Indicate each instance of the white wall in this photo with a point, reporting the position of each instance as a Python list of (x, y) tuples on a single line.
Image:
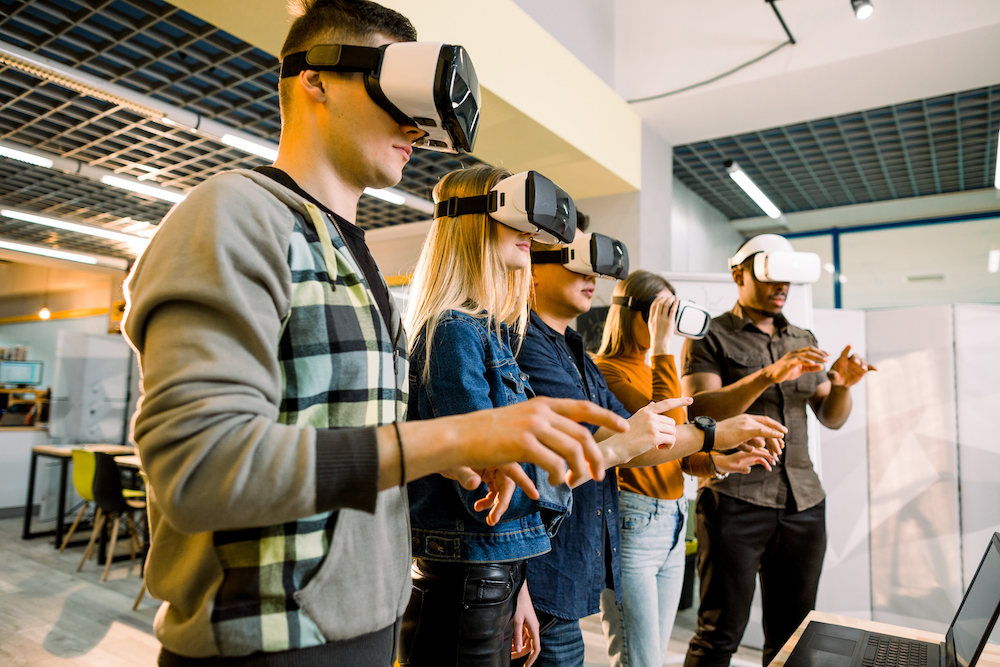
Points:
[(703, 238), (40, 337), (585, 27)]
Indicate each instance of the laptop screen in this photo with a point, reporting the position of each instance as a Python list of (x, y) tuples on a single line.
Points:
[(978, 612)]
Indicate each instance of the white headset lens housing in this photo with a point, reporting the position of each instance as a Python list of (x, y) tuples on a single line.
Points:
[(787, 267), (529, 202), (590, 255), (692, 320), (429, 85), (775, 260), (435, 85)]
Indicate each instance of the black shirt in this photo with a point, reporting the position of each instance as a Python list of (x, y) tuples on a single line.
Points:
[(353, 236)]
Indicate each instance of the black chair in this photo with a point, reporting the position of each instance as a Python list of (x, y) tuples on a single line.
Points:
[(114, 503)]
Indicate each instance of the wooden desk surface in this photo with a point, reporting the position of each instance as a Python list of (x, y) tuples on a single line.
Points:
[(989, 658), (129, 461), (66, 451)]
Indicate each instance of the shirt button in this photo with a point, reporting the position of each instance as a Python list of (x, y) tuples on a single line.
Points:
[(614, 550), (598, 512), (598, 553)]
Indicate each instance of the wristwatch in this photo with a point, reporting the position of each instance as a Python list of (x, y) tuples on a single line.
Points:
[(706, 424)]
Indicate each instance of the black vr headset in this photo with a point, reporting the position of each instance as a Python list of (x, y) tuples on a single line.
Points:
[(527, 202), (429, 85), (590, 254), (691, 320)]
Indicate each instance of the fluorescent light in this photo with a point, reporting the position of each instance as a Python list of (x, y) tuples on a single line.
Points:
[(48, 252), (30, 158), (862, 8), (752, 190), (251, 147), (996, 171), (993, 263), (73, 227), (150, 190), (385, 195)]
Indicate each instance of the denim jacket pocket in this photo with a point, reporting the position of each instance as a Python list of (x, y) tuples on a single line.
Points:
[(513, 385)]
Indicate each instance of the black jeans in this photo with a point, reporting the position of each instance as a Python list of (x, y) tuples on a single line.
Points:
[(460, 614), (736, 540)]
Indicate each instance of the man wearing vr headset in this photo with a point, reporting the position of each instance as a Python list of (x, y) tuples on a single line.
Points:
[(567, 582), (753, 360), (275, 370)]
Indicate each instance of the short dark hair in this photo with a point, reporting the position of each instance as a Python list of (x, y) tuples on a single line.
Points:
[(343, 22)]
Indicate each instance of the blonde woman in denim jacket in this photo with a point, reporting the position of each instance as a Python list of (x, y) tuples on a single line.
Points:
[(468, 306)]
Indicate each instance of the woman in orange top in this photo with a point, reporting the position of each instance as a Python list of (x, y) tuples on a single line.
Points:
[(653, 507)]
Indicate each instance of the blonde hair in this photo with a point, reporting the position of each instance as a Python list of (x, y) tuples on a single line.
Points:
[(619, 337), (461, 267)]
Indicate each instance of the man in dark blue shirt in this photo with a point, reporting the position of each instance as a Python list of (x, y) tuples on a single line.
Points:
[(566, 583)]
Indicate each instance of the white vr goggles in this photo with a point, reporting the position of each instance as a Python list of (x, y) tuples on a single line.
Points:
[(775, 261), (589, 254), (691, 320), (527, 202), (429, 85)]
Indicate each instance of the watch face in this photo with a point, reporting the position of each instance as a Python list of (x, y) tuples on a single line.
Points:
[(704, 421)]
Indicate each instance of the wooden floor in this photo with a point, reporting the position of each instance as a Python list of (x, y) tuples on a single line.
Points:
[(51, 615)]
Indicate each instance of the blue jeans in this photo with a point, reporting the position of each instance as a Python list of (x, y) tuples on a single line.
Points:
[(638, 630), (562, 643)]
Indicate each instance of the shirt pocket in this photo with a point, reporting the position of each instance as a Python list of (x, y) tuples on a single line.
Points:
[(741, 364), (513, 385)]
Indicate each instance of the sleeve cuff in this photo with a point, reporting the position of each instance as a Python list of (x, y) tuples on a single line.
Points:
[(346, 469)]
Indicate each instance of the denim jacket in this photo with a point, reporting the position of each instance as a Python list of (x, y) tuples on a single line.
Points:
[(586, 555), (473, 369)]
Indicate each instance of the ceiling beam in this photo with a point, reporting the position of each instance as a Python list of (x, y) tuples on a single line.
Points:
[(543, 109)]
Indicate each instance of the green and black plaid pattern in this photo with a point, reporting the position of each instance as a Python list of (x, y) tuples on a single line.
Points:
[(341, 368)]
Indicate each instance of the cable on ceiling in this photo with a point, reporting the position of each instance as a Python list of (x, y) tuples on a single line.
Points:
[(791, 40)]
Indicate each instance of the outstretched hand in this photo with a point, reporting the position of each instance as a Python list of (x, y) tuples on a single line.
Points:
[(749, 432), (795, 363), (741, 462), (847, 371)]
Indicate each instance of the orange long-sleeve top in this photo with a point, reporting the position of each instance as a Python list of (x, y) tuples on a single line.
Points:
[(635, 384)]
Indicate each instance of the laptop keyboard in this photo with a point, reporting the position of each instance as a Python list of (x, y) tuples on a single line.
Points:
[(889, 651)]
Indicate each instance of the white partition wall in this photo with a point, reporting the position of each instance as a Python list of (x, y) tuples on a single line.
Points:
[(977, 385), (913, 467), (845, 586)]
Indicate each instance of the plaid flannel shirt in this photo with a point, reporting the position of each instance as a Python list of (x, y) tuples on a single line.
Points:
[(342, 367)]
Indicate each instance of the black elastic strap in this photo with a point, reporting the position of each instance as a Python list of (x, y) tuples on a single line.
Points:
[(456, 206), (560, 256), (332, 58)]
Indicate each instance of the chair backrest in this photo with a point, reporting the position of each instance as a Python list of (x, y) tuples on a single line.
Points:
[(108, 484), (83, 473)]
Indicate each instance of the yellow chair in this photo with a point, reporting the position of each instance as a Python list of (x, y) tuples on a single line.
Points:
[(83, 480)]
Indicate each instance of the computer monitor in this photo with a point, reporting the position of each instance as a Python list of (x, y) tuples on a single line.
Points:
[(20, 373)]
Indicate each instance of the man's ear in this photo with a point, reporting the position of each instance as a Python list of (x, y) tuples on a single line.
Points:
[(313, 85), (738, 275)]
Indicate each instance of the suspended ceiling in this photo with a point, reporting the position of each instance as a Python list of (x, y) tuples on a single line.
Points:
[(943, 144), (155, 49)]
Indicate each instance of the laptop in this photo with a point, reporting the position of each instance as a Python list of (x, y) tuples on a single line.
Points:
[(826, 645)]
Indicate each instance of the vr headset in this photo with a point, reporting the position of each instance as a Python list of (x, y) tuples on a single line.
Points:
[(429, 85), (690, 319), (527, 202), (775, 261), (589, 254)]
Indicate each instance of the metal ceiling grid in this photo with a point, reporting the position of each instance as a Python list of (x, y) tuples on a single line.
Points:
[(161, 51), (931, 146)]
